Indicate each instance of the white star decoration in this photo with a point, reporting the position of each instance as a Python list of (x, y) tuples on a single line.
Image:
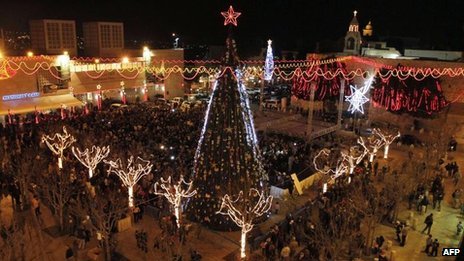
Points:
[(358, 97)]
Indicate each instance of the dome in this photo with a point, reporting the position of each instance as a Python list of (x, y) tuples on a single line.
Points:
[(369, 26)]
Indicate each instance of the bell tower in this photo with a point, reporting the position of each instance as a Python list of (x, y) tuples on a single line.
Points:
[(353, 37)]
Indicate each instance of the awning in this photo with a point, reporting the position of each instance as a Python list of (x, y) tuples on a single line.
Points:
[(40, 103)]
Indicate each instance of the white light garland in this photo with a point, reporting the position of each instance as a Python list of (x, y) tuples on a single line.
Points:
[(335, 172), (387, 140), (174, 193), (131, 173), (91, 158), (372, 147), (58, 143), (243, 213), (358, 97)]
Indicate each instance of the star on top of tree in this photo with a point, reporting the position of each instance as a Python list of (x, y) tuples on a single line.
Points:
[(230, 16)]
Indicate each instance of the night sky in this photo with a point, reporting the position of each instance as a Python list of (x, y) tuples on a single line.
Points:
[(292, 24)]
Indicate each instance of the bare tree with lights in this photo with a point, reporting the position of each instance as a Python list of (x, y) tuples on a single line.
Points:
[(387, 139), (353, 158), (58, 143), (372, 146), (103, 210), (329, 164), (91, 158), (174, 193), (244, 210), (131, 173)]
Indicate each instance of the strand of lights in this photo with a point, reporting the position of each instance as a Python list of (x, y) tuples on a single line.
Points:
[(336, 171), (175, 192), (297, 70), (372, 147), (358, 98), (352, 159), (247, 116), (387, 139), (91, 158), (269, 64), (131, 173), (205, 124), (58, 143), (243, 213)]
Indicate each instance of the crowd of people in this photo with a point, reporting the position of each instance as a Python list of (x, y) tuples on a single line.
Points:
[(164, 136)]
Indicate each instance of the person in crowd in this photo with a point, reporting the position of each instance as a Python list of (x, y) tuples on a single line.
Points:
[(428, 223), (459, 228), (428, 244), (435, 246)]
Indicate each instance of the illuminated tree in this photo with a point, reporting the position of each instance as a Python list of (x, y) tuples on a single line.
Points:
[(91, 158), (131, 173), (227, 158), (244, 210), (387, 139), (174, 193), (327, 163), (353, 158), (58, 143), (373, 145)]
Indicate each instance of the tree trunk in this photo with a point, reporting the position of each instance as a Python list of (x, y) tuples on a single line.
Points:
[(107, 249), (60, 217)]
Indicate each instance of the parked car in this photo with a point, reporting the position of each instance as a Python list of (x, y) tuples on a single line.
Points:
[(272, 104), (177, 101), (186, 105)]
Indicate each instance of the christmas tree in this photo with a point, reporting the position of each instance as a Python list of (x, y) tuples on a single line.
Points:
[(269, 64), (227, 158)]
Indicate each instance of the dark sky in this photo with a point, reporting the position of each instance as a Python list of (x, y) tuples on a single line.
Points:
[(292, 24)]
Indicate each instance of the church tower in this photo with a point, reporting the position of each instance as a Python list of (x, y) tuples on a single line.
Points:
[(353, 37)]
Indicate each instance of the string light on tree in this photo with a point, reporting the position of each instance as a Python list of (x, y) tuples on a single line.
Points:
[(58, 143), (231, 16), (352, 159), (358, 97), (387, 139), (174, 193), (131, 173), (243, 212), (333, 168), (91, 158), (373, 145)]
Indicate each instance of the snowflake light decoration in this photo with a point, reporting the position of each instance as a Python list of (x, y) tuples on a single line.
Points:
[(358, 97)]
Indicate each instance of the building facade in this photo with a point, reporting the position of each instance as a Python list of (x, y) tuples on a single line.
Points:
[(103, 39), (53, 37)]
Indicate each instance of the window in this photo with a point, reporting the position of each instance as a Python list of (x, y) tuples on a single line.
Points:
[(117, 36), (350, 43), (67, 31), (105, 36), (53, 36)]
